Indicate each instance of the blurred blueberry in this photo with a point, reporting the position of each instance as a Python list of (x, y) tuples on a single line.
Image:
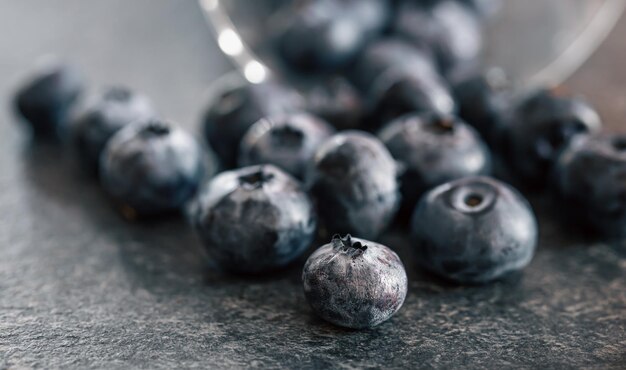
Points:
[(434, 149), (338, 102), (353, 180), (236, 108), (109, 112), (151, 167), (354, 283), (46, 99), (590, 177), (396, 94), (474, 230), (390, 54), (544, 123), (327, 34), (254, 219), (484, 102), (451, 29), (288, 141)]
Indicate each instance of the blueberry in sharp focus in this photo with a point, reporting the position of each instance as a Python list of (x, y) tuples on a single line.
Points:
[(338, 102), (254, 219), (354, 283), (109, 112), (151, 167), (433, 149), (236, 108), (327, 34), (543, 124), (474, 230), (590, 177), (484, 102), (450, 28), (288, 141), (46, 100), (353, 180)]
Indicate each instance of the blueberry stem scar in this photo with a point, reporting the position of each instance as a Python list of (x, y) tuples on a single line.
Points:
[(255, 179), (473, 200)]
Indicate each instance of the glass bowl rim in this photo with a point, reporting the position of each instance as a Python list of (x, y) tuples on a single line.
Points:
[(591, 36)]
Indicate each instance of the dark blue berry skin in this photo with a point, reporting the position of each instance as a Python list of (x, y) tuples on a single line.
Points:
[(327, 34), (353, 180), (484, 101), (287, 141), (474, 230), (110, 111), (396, 78), (543, 124), (338, 102), (354, 283), (590, 177), (236, 108), (396, 94), (450, 28), (255, 219), (386, 55), (46, 100), (152, 167), (434, 149)]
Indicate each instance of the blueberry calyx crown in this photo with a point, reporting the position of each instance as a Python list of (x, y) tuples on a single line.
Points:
[(287, 136), (441, 125), (473, 198), (155, 128), (256, 179), (348, 246)]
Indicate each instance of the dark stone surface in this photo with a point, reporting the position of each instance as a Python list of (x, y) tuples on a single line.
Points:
[(82, 288)]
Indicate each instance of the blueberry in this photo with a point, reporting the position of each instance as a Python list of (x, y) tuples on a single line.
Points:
[(109, 112), (390, 54), (353, 179), (288, 141), (397, 78), (544, 123), (434, 149), (450, 28), (590, 177), (474, 230), (484, 102), (327, 34), (396, 94), (255, 219), (237, 108), (46, 100), (354, 283), (337, 101), (151, 167)]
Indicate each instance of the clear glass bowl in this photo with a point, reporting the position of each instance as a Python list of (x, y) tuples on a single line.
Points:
[(537, 42)]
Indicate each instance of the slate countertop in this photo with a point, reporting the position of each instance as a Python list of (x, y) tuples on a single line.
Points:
[(82, 288)]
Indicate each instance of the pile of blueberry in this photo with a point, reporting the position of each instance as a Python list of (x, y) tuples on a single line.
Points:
[(403, 128)]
